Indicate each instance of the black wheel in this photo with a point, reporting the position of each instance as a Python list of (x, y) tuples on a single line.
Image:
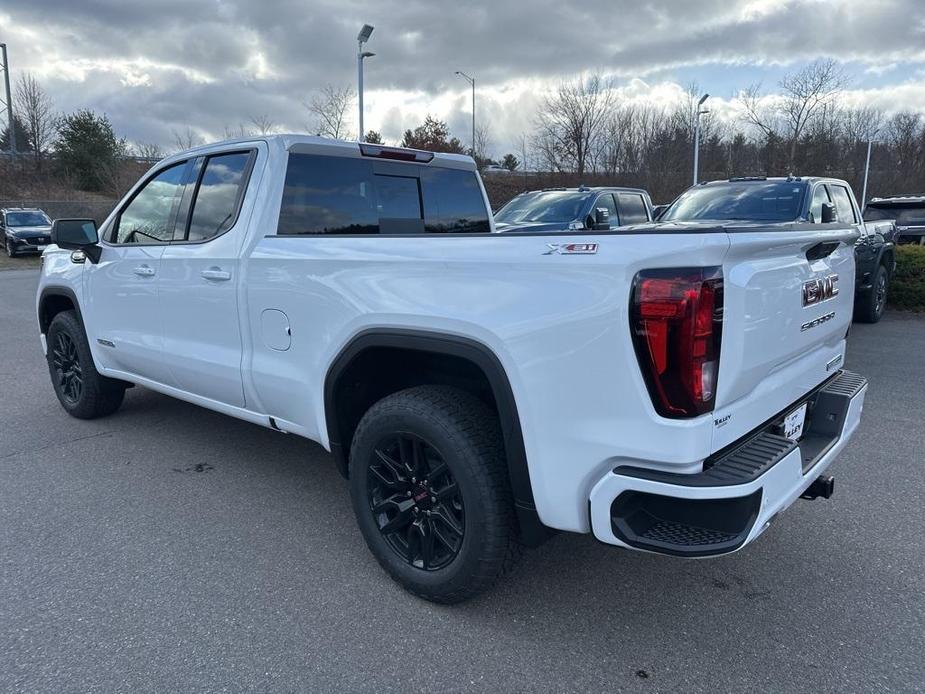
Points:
[(82, 392), (872, 304), (429, 487)]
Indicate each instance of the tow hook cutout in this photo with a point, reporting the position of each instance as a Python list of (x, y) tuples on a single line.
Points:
[(823, 486)]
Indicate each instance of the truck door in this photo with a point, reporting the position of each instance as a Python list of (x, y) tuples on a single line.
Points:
[(123, 316), (199, 279)]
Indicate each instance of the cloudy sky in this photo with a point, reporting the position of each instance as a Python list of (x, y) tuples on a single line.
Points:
[(159, 66)]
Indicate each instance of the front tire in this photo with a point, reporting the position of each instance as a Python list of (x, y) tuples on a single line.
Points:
[(873, 303), (10, 253), (430, 491), (82, 392)]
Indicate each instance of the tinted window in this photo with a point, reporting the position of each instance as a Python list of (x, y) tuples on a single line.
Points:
[(771, 201), (844, 210), (904, 216), (633, 208), (453, 202), (820, 195), (338, 195), (29, 218), (553, 206), (147, 218), (328, 195), (220, 189), (399, 205), (605, 201)]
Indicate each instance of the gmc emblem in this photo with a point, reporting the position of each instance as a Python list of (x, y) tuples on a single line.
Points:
[(818, 290)]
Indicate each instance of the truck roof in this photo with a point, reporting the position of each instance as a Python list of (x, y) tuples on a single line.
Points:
[(316, 144), (762, 179), (911, 199)]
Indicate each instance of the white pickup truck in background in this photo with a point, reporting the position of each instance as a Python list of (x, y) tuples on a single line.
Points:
[(667, 388)]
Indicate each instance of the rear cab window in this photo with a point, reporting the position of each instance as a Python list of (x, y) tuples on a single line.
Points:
[(326, 194), (633, 208)]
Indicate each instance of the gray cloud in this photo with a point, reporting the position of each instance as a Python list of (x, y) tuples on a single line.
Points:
[(161, 65)]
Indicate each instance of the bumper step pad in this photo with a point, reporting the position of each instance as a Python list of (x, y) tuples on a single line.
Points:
[(702, 527)]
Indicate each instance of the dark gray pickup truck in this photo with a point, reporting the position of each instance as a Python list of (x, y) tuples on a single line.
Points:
[(793, 201), (908, 211)]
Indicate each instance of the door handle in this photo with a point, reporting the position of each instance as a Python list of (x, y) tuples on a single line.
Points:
[(144, 271), (216, 274)]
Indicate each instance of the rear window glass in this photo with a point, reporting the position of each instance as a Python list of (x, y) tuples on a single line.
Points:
[(340, 195), (771, 201), (632, 209), (904, 216)]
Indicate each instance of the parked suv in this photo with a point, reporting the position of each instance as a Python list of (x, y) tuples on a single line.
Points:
[(575, 209), (669, 393), (908, 212), (788, 204), (24, 230)]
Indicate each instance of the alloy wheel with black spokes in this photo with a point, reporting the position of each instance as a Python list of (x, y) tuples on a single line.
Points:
[(880, 290), (431, 492), (67, 368), (416, 501), (81, 389)]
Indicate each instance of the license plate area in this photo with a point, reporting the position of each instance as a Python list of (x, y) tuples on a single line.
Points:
[(794, 422)]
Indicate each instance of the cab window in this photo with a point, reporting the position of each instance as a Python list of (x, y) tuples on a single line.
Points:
[(606, 201), (820, 196), (218, 195), (633, 208), (844, 210), (148, 217)]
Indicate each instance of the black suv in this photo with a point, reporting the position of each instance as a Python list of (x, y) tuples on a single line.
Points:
[(908, 211), (557, 209), (799, 200), (24, 230)]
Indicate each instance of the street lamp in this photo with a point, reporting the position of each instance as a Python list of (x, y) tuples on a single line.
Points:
[(362, 38), (697, 134), (470, 80), (9, 101), (867, 171)]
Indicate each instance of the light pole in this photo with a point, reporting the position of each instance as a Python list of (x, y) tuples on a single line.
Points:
[(362, 38), (866, 172), (471, 80), (11, 126), (697, 134)]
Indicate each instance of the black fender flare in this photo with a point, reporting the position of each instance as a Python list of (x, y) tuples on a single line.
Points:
[(532, 530), (56, 290)]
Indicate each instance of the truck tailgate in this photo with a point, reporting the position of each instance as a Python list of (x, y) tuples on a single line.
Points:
[(788, 301)]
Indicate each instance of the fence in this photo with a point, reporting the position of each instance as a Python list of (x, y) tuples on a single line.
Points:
[(59, 209)]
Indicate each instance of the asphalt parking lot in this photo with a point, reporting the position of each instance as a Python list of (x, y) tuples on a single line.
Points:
[(168, 548)]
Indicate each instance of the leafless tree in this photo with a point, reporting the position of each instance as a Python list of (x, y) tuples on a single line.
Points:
[(570, 123), (186, 139), (329, 109), (34, 108), (805, 95), (148, 150), (484, 142), (263, 125)]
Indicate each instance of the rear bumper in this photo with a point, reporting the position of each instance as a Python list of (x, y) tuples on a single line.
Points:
[(739, 492)]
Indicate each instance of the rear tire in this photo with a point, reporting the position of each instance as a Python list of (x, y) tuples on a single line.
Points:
[(872, 304), (430, 491), (82, 392)]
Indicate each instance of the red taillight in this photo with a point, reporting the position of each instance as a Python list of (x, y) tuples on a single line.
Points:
[(677, 318)]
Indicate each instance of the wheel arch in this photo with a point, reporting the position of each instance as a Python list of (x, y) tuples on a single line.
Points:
[(52, 301), (419, 350)]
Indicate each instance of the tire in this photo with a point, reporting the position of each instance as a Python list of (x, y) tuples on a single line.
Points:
[(872, 303), (10, 253), (455, 440), (82, 392)]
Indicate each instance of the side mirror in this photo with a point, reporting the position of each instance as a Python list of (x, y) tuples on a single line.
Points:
[(658, 211), (77, 235), (601, 219), (828, 213)]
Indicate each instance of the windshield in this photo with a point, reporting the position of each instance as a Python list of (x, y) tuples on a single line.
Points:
[(27, 219), (543, 206), (760, 201), (904, 216)]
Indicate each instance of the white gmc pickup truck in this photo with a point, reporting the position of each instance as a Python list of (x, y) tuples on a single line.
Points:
[(668, 388)]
